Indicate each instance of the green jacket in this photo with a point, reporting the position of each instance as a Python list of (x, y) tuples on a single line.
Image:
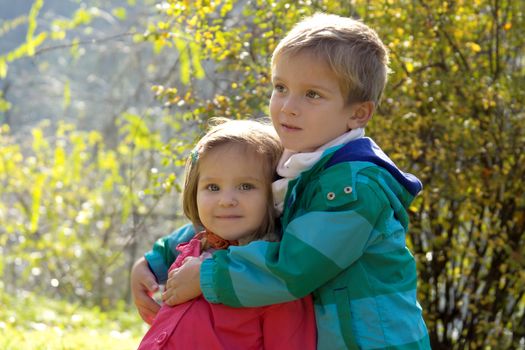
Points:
[(344, 227)]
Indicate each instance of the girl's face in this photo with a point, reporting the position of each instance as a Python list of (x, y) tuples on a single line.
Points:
[(232, 192)]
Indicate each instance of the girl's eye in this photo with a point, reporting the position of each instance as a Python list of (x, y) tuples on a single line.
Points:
[(279, 88), (246, 187), (312, 94), (212, 187)]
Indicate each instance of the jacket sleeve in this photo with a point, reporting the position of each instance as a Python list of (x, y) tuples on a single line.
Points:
[(330, 235), (164, 253)]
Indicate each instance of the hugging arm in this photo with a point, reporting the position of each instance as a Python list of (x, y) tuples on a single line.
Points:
[(152, 269), (316, 246)]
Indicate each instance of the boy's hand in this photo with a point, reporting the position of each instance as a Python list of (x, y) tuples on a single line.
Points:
[(143, 285), (183, 283)]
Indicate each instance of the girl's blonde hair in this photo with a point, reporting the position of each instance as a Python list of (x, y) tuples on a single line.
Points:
[(253, 136), (354, 52)]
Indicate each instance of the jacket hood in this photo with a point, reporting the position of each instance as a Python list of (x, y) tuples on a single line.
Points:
[(366, 150)]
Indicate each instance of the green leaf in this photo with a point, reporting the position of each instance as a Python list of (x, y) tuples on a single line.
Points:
[(184, 60), (196, 60), (36, 196), (4, 105)]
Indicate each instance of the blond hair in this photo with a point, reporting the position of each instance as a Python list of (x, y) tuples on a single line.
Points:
[(253, 136), (354, 52)]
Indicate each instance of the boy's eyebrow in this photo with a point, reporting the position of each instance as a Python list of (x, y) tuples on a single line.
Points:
[(311, 86)]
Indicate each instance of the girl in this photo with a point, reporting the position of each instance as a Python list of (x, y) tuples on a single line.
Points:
[(228, 197)]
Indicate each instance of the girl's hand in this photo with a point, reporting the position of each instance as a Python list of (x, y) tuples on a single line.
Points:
[(183, 283)]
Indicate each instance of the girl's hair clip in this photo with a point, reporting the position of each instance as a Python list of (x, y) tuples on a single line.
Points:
[(194, 156)]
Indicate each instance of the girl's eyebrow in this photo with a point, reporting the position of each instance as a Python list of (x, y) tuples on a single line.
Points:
[(240, 179)]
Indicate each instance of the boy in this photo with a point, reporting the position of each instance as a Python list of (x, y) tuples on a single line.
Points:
[(344, 203)]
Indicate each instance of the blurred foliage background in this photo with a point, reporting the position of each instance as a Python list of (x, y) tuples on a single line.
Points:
[(100, 102)]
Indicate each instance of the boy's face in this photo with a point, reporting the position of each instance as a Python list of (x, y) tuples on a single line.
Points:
[(307, 106)]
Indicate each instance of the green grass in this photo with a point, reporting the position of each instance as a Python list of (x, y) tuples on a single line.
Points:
[(35, 323)]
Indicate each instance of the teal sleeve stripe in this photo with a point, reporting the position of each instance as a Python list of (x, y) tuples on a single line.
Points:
[(252, 282), (300, 265), (257, 274), (328, 328), (314, 249), (384, 322), (385, 245), (329, 234), (239, 276), (395, 194), (391, 272), (379, 274), (328, 321), (164, 253), (157, 265), (421, 344), (387, 321), (181, 235), (206, 281)]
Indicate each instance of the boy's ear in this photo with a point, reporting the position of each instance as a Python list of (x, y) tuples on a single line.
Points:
[(361, 113)]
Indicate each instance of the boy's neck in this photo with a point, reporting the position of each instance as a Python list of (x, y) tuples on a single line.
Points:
[(340, 140)]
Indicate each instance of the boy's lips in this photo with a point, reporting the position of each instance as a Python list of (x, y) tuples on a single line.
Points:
[(289, 127)]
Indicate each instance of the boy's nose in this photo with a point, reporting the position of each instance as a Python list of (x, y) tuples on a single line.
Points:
[(289, 107)]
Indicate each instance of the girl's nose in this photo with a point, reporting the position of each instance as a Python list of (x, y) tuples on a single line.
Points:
[(228, 200)]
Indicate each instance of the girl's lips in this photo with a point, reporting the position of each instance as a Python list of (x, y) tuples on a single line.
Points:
[(228, 216)]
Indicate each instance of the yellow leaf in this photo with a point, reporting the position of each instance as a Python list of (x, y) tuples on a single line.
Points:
[(120, 13), (67, 95), (33, 13), (58, 35), (33, 43), (474, 47), (410, 67), (3, 68), (82, 16)]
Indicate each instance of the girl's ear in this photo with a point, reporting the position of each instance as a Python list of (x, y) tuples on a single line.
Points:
[(361, 113)]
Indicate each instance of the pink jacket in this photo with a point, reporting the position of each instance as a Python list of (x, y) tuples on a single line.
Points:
[(198, 324)]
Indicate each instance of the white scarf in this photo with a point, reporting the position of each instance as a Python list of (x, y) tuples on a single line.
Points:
[(292, 164)]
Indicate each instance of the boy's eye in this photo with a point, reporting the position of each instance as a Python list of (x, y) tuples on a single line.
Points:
[(312, 94), (246, 187), (212, 187)]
